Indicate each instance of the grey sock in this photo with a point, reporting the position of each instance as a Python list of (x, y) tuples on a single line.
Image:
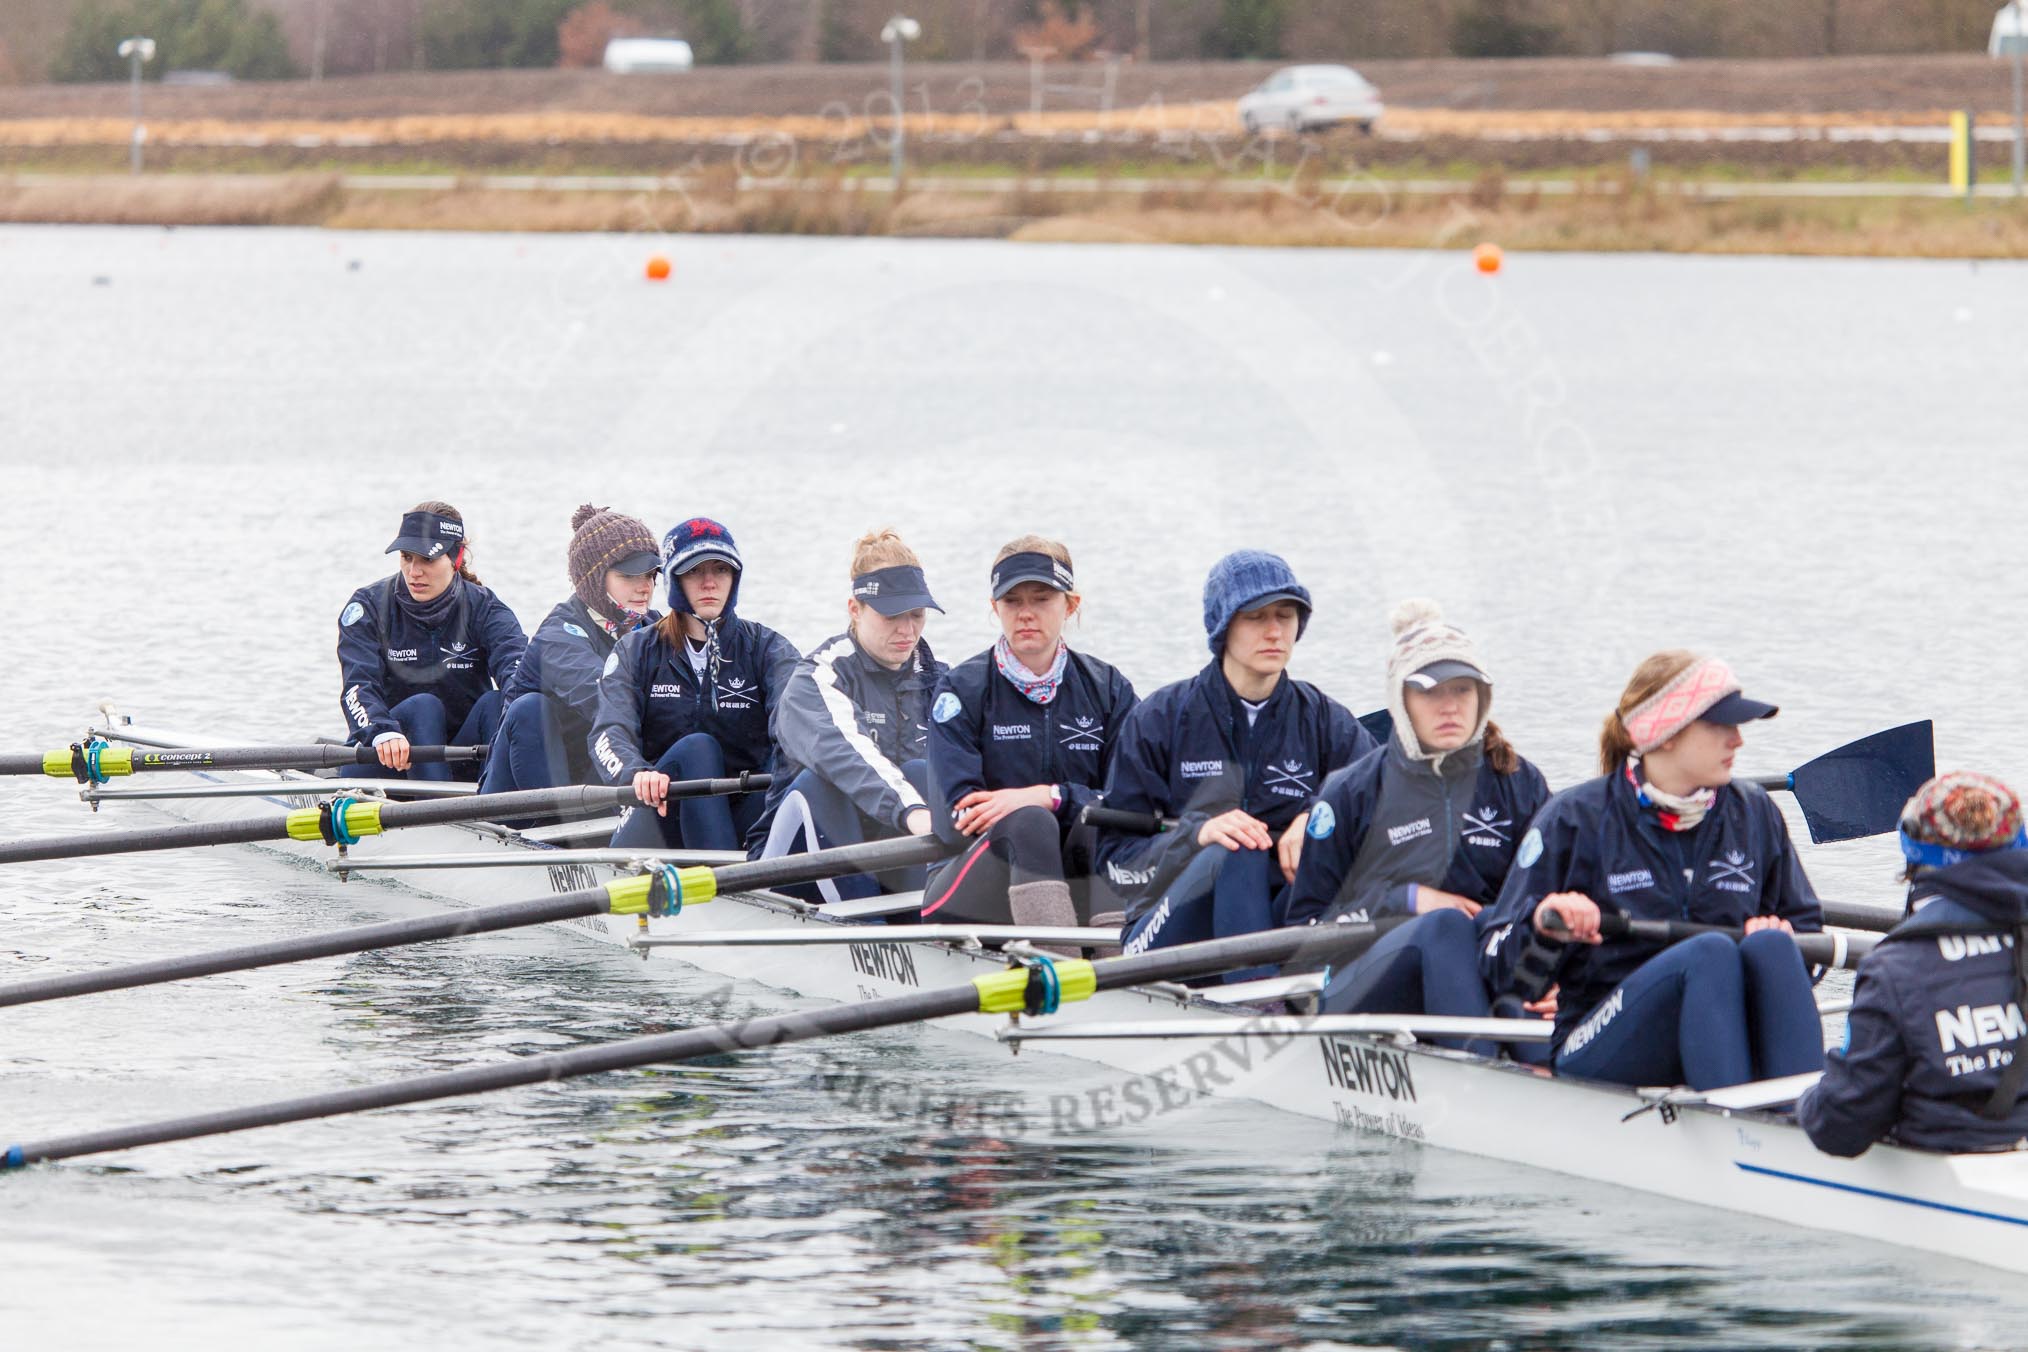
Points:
[(1044, 904)]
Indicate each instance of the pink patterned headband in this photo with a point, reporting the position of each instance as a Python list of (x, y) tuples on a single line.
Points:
[(1679, 703)]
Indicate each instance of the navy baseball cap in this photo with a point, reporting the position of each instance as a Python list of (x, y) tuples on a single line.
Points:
[(1737, 708), (428, 536), (1016, 569), (895, 591), (1436, 673)]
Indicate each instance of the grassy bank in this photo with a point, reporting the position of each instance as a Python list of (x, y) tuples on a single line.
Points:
[(1609, 215)]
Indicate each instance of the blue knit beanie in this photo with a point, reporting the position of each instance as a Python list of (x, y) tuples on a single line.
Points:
[(1243, 580)]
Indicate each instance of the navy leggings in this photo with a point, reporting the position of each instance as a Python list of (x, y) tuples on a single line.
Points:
[(425, 723), (817, 815), (1428, 966), (1220, 893), (1025, 846), (716, 823), (1708, 1012), (530, 750)]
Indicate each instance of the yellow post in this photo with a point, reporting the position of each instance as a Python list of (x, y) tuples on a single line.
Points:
[(1961, 154)]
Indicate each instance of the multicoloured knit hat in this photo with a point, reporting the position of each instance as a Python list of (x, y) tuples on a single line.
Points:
[(1958, 815), (1426, 653), (602, 539)]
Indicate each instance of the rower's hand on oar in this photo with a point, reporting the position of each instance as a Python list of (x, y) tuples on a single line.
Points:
[(652, 788), (979, 809), (1289, 850), (1766, 922), (393, 752), (1236, 830), (1429, 899), (1546, 1006), (1577, 912)]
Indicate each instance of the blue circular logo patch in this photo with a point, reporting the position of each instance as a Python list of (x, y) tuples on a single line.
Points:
[(353, 614), (1531, 849), (1323, 821), (612, 661), (947, 707), (570, 628)]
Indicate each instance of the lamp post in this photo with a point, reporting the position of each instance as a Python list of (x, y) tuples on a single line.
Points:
[(2018, 40), (902, 29), (137, 50)]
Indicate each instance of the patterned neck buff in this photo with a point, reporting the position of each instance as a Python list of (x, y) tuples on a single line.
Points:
[(1041, 689), (1674, 812)]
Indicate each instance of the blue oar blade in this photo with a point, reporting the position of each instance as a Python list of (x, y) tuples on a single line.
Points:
[(1859, 789), (1380, 723)]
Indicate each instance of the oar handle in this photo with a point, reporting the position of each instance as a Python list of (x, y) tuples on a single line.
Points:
[(1825, 950), (874, 857), (1119, 819), (746, 781)]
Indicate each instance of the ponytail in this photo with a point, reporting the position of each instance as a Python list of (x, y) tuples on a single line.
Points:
[(1500, 753), (450, 513)]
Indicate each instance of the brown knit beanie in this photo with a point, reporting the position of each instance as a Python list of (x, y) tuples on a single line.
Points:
[(601, 539)]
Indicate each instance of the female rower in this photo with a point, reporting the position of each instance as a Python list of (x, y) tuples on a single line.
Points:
[(1234, 754), (1665, 834), (1425, 827), (690, 698), (853, 727), (1935, 1047), (1020, 739), (551, 701), (424, 652)]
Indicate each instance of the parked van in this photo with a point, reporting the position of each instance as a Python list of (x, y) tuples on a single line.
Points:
[(647, 56)]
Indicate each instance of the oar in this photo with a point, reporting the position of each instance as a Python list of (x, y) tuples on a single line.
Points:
[(339, 820), (1857, 790), (1035, 989), (96, 762), (1824, 950), (660, 892)]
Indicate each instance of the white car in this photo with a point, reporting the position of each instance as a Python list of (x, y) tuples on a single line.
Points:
[(1300, 98), (648, 56)]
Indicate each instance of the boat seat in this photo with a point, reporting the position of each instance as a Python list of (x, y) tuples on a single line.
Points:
[(874, 908)]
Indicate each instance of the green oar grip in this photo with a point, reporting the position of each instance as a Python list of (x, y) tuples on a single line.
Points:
[(1025, 990), (336, 823), (665, 891), (88, 763)]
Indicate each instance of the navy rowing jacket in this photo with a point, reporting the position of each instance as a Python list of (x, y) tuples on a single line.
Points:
[(854, 724), (650, 697), (1187, 752), (564, 661), (1597, 839), (386, 655), (1386, 823), (1936, 1017), (986, 734)]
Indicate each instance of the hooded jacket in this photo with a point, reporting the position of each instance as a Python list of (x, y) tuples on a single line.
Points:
[(563, 661), (386, 654), (1188, 752), (1597, 839), (986, 734), (650, 695), (1390, 821), (853, 723), (1936, 1019)]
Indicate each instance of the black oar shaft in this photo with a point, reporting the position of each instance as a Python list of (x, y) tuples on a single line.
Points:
[(137, 760), (1118, 819), (874, 857), (1318, 943), (303, 948), (1825, 950), (392, 816)]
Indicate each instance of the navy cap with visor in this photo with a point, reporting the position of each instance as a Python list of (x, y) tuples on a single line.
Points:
[(895, 591), (1016, 569), (427, 535), (1736, 708), (643, 564), (1436, 673)]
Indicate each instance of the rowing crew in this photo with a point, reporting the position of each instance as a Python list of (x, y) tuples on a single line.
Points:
[(1285, 809)]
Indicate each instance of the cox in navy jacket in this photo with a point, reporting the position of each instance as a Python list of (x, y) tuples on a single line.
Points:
[(854, 724), (650, 697), (1936, 1019), (1597, 839), (986, 734), (1187, 752), (385, 655), (1403, 823)]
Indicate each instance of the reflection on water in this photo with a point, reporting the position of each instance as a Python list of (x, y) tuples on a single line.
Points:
[(1598, 457)]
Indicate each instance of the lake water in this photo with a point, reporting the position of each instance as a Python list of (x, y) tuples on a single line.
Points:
[(207, 437)]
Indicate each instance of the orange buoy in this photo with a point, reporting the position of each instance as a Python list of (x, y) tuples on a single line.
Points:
[(658, 268), (1488, 258)]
